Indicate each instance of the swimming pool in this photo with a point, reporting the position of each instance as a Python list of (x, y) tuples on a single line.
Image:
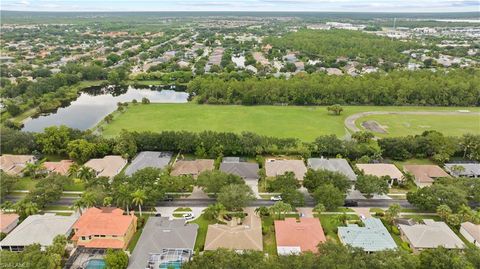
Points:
[(95, 264), (171, 265)]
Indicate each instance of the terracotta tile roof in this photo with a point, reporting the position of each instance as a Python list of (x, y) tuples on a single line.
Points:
[(305, 233), (381, 169), (192, 167), (102, 221), (105, 243), (6, 220), (472, 229), (279, 167), (425, 173), (60, 167)]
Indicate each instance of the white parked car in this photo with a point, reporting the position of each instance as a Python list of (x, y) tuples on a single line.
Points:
[(188, 216), (276, 198)]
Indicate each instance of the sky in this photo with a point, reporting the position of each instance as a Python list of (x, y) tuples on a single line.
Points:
[(245, 5)]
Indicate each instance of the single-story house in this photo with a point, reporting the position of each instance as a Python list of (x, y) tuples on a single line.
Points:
[(164, 242), (463, 169), (108, 166), (38, 229), (334, 165), (8, 222), (471, 232), (193, 168), (431, 234), (234, 236), (105, 227), (274, 167), (244, 170), (14, 164), (373, 237), (424, 174), (145, 159), (296, 236), (380, 170), (60, 167)]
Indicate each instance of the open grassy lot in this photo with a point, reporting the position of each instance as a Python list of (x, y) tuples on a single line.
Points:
[(303, 122), (402, 125)]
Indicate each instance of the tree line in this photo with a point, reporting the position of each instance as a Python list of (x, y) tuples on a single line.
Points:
[(423, 88)]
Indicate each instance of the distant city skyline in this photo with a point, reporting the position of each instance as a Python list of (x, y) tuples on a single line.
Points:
[(411, 6)]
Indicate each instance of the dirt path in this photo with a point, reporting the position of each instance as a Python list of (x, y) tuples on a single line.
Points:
[(350, 120)]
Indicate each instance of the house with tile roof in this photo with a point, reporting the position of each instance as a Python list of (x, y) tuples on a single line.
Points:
[(109, 166), (424, 174), (296, 236), (463, 169), (60, 167), (276, 167), (381, 170), (14, 164), (164, 242), (38, 229), (431, 234), (105, 227), (192, 168), (471, 232), (372, 237), (334, 165), (244, 236), (8, 222)]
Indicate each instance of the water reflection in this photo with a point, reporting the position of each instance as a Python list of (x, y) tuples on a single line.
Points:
[(94, 103)]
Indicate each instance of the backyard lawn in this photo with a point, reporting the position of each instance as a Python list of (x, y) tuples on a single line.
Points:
[(303, 122)]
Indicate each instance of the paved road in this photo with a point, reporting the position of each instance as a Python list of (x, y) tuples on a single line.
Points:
[(350, 120)]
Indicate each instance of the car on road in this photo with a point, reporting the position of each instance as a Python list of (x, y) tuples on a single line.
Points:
[(276, 198), (158, 214), (350, 203), (188, 216)]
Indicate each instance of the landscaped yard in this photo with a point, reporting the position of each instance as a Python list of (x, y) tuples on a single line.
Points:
[(25, 183), (136, 235), (202, 231), (330, 223), (268, 231), (303, 122)]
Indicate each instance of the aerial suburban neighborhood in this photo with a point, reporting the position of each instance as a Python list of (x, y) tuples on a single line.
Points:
[(240, 134)]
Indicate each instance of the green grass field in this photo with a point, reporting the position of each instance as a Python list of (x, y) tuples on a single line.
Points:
[(305, 123), (402, 125)]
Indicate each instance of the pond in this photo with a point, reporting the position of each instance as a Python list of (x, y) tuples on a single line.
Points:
[(94, 103)]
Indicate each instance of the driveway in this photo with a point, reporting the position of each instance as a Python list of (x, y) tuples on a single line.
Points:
[(253, 184), (306, 211), (362, 211), (356, 195), (167, 211), (197, 193)]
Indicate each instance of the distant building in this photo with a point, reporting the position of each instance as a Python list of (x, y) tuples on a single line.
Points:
[(296, 236), (334, 165), (8, 222), (145, 159), (60, 167), (192, 168), (108, 166), (373, 237), (104, 228), (471, 232), (38, 229), (14, 164), (424, 174), (432, 234), (463, 169), (274, 167), (381, 169)]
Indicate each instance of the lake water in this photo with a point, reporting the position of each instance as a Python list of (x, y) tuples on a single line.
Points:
[(95, 103)]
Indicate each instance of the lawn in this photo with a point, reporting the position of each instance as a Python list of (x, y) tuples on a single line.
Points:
[(402, 125), (268, 231), (25, 183), (202, 231), (136, 235), (303, 122), (330, 224)]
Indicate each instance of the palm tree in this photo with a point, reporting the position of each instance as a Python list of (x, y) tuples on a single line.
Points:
[(215, 210), (444, 211), (107, 201), (73, 170), (262, 211), (392, 212), (86, 173), (30, 208), (7, 206), (465, 213), (123, 198), (32, 169), (280, 208), (78, 205), (139, 197), (88, 199), (342, 218)]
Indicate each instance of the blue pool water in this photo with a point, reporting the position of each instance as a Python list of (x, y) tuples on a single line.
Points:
[(171, 265), (96, 264)]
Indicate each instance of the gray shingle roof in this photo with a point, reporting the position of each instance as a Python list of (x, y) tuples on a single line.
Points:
[(335, 165), (469, 169), (161, 233), (145, 159), (242, 169), (373, 237)]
